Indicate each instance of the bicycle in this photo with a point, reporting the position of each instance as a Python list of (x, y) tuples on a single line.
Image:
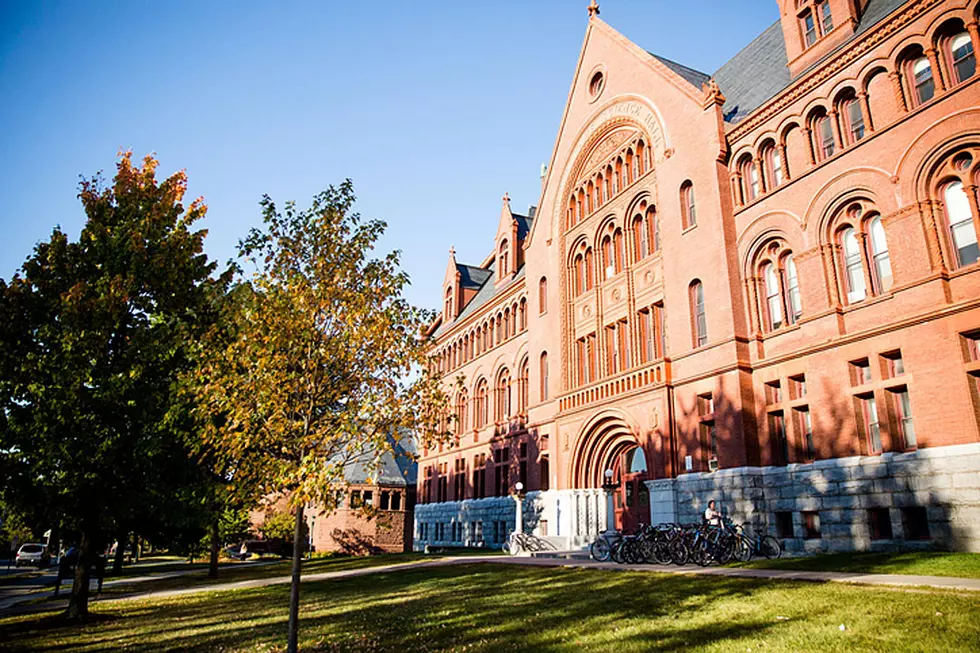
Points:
[(602, 546), (518, 542), (760, 545)]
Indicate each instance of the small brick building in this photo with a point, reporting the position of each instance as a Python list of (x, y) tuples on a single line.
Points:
[(760, 285), (376, 512)]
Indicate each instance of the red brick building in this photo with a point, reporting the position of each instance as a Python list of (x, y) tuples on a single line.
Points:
[(759, 286)]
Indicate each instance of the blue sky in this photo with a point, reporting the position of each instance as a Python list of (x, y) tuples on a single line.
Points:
[(433, 108)]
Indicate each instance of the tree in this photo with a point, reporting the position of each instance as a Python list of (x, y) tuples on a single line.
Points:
[(327, 359), (92, 336)]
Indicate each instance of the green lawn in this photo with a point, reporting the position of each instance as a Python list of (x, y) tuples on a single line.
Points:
[(489, 607), (922, 563)]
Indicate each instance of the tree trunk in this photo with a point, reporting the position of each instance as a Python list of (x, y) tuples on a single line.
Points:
[(215, 545), (294, 588), (117, 561), (78, 603)]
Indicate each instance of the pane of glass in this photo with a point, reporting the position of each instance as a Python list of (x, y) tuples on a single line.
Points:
[(964, 61), (795, 307), (856, 120), (777, 168), (856, 289), (924, 86)]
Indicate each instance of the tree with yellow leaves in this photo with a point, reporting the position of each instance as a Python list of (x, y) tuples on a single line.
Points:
[(326, 362)]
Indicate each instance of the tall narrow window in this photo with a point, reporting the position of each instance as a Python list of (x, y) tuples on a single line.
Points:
[(903, 410), (579, 268), (774, 299), (922, 80), (697, 314), (480, 408), (641, 241), (523, 389), (543, 376), (855, 120), (461, 401), (854, 274), (825, 135), (449, 304), (542, 295), (774, 166), (809, 28), (777, 434), (961, 229), (619, 258), (963, 58), (872, 426), (750, 179), (504, 259), (879, 254), (502, 400), (607, 258), (654, 228), (826, 19), (806, 433), (794, 307), (688, 208), (589, 270)]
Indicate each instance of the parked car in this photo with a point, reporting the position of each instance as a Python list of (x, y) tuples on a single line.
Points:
[(32, 554), (256, 549)]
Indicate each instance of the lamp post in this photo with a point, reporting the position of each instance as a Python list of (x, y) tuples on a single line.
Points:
[(608, 486), (309, 548)]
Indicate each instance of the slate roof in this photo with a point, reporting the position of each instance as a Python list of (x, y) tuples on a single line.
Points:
[(696, 77), (759, 72), (485, 294), (523, 225), (398, 468), (471, 276)]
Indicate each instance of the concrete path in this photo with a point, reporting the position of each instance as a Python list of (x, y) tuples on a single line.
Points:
[(892, 580)]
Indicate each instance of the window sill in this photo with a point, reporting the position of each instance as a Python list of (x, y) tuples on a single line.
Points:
[(686, 230)]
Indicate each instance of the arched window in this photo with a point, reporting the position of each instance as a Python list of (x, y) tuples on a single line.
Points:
[(620, 253), (853, 272), (579, 267), (881, 265), (461, 403), (653, 223), (793, 305), (750, 179), (507, 324), (502, 399), (599, 197), (689, 216), (542, 296), (850, 111), (543, 376), (919, 72), (589, 270), (449, 304), (773, 163), (641, 238), (961, 57), (608, 263), (959, 217), (480, 405), (823, 136), (504, 258), (523, 388), (774, 296), (699, 320)]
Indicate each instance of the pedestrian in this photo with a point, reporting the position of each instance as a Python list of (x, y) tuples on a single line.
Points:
[(712, 516)]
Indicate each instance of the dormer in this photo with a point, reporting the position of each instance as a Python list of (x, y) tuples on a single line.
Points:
[(506, 259), (812, 28), (450, 290)]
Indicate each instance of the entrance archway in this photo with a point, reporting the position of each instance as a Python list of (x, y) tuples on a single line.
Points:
[(608, 443)]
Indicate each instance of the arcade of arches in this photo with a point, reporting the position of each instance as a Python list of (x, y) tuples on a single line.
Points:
[(742, 286)]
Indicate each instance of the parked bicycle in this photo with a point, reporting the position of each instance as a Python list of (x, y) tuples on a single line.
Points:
[(518, 543)]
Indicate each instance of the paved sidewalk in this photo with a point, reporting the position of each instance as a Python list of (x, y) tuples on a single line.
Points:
[(892, 580)]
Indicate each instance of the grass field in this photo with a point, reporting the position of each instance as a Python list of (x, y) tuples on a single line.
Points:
[(920, 563), (509, 608)]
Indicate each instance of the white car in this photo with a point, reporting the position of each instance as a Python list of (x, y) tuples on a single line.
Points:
[(33, 554)]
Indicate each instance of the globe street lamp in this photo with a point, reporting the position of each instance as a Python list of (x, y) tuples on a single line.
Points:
[(609, 486)]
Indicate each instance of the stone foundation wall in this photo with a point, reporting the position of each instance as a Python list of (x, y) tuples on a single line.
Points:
[(944, 481), (473, 522)]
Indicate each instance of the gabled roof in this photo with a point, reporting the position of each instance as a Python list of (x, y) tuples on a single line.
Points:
[(397, 467), (484, 295), (759, 71), (471, 276)]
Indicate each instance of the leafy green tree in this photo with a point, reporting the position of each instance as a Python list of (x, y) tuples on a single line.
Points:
[(92, 336), (327, 359)]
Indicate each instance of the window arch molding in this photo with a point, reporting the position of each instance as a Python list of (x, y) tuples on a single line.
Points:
[(776, 283), (861, 256), (643, 228), (824, 139), (955, 49), (919, 80), (851, 113), (580, 264), (952, 188)]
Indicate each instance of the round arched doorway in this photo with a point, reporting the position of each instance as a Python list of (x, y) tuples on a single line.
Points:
[(608, 455)]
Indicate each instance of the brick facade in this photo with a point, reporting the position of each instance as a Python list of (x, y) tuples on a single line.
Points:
[(757, 285)]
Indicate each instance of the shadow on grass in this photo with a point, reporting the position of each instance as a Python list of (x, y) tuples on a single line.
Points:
[(472, 607)]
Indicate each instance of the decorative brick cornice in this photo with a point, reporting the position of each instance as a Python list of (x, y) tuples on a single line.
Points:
[(904, 212), (807, 254), (853, 52)]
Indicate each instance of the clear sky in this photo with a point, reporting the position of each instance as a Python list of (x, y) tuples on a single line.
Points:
[(434, 108)]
